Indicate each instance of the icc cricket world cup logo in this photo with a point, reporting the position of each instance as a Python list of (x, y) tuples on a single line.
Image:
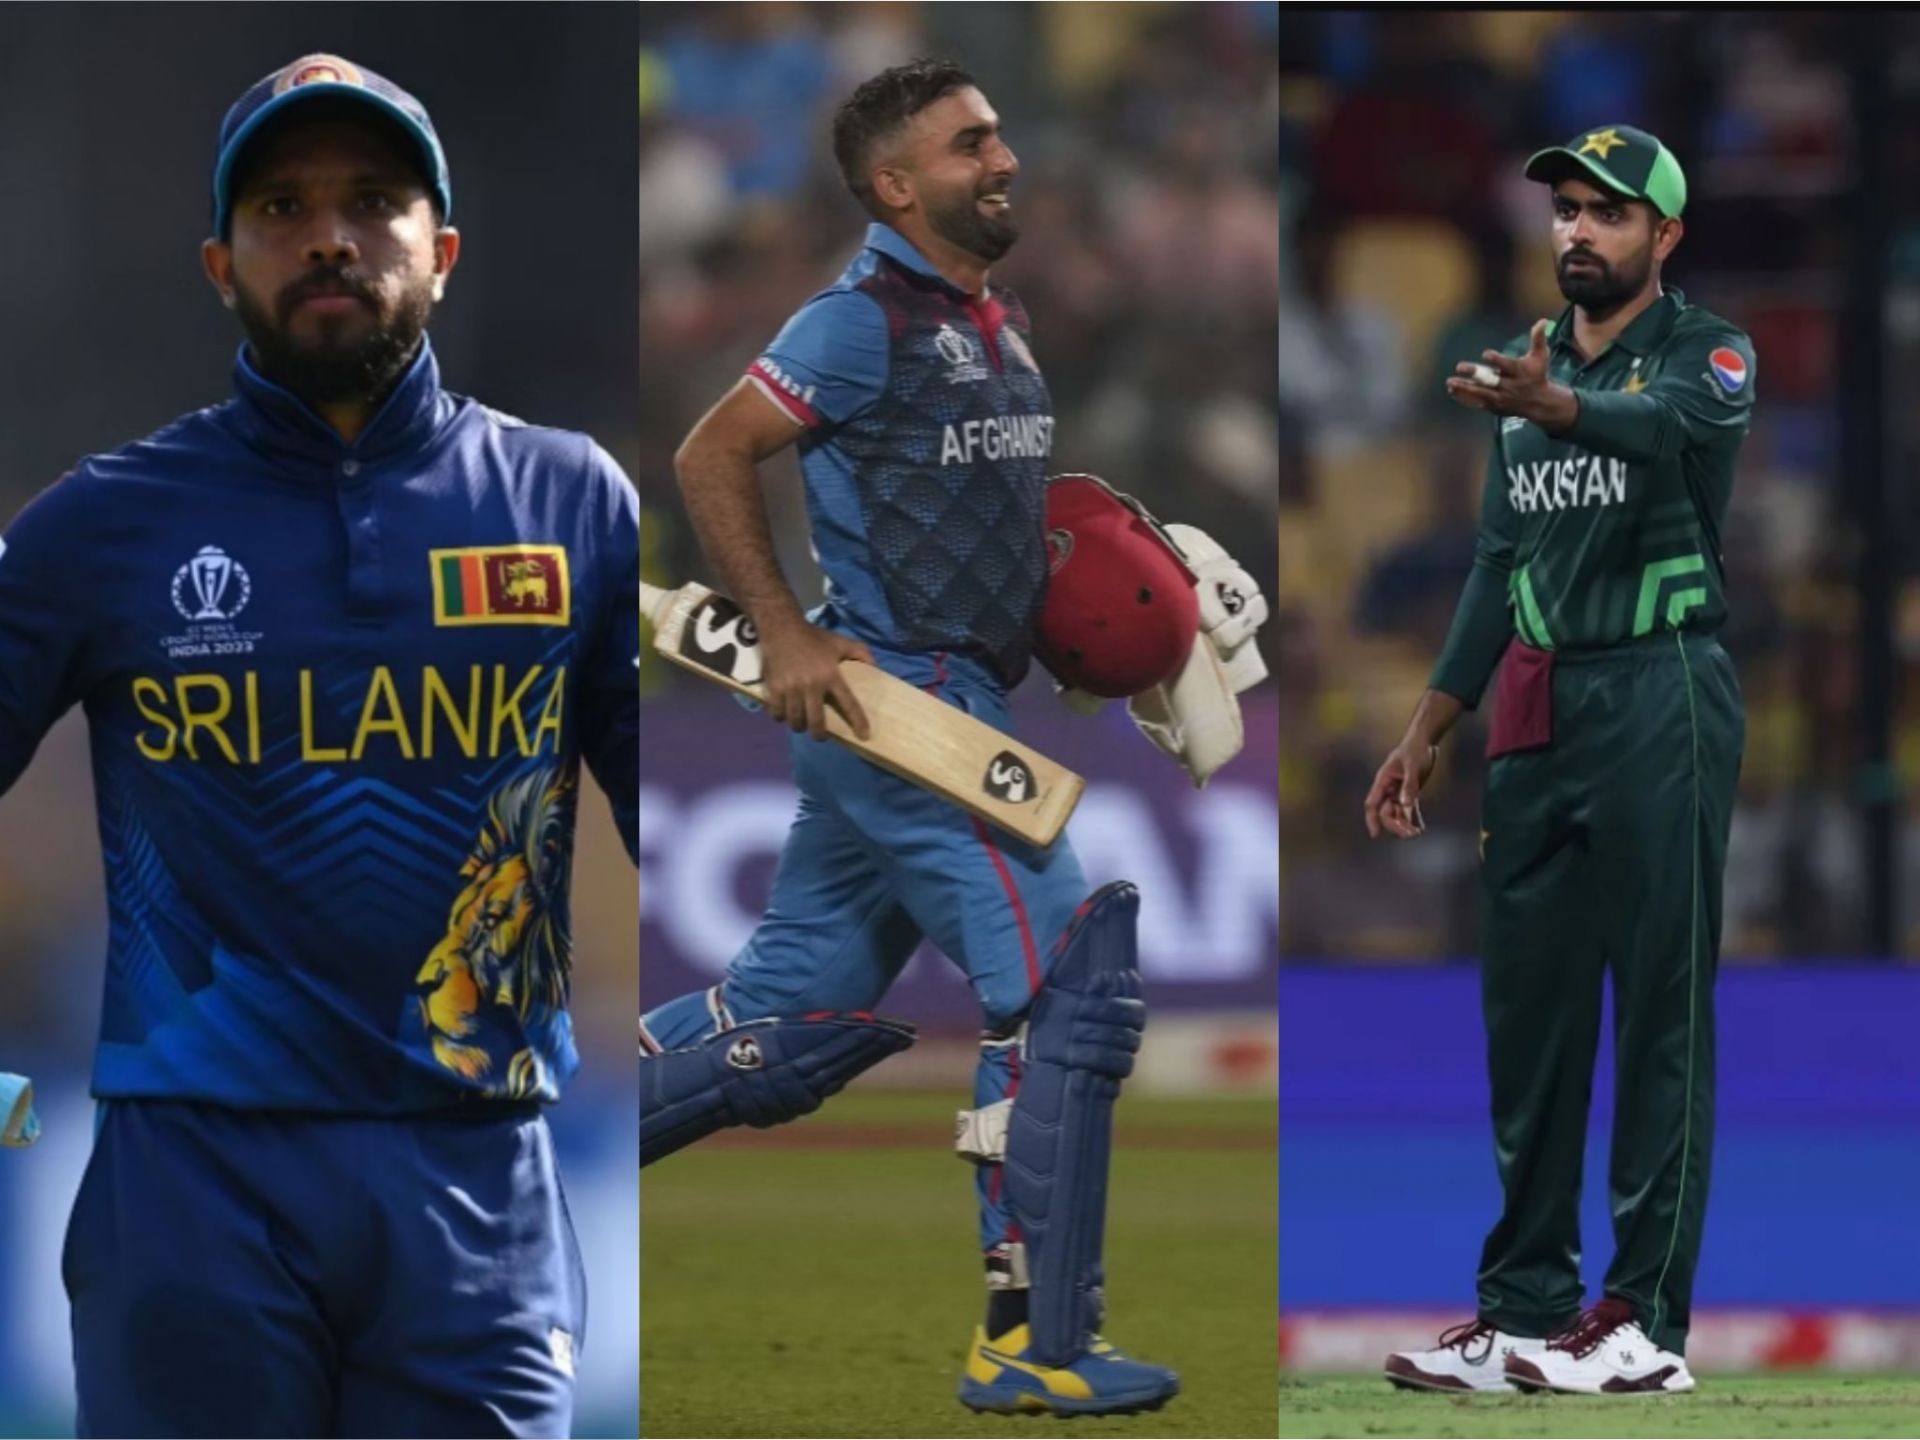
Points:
[(211, 586)]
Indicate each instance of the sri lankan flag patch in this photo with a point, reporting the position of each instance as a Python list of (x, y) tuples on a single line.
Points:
[(501, 585)]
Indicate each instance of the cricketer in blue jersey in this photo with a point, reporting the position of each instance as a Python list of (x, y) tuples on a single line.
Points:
[(343, 642), (925, 431)]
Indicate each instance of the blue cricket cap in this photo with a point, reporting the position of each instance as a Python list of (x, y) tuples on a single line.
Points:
[(313, 78)]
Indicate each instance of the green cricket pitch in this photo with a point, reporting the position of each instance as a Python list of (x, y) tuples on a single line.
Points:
[(1724, 1405), (824, 1279)]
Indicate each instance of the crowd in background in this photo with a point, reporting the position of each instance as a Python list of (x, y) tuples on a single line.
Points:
[(1149, 233), (1412, 241)]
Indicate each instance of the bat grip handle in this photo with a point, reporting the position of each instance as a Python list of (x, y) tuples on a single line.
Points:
[(654, 602)]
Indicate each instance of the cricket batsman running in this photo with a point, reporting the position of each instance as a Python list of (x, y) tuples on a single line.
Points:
[(343, 642), (1615, 744), (924, 429)]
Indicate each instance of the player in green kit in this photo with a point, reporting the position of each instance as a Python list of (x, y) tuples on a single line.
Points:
[(1614, 747)]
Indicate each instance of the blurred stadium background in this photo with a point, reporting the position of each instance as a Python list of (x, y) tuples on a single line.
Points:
[(108, 115), (1148, 257), (1410, 241)]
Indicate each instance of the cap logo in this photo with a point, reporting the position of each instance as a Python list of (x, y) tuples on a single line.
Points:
[(1601, 143), (1728, 368), (317, 70)]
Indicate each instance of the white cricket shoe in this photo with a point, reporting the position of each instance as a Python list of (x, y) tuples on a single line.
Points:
[(1604, 1352), (1470, 1356)]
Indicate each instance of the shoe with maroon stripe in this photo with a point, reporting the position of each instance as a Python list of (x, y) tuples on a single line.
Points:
[(1469, 1357), (1604, 1352)]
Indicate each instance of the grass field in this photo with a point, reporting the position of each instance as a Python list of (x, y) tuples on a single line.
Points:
[(824, 1279), (1724, 1405)]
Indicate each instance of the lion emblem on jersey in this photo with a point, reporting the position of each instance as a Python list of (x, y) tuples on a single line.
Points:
[(507, 944)]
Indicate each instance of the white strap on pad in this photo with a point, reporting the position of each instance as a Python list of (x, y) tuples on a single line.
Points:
[(981, 1135)]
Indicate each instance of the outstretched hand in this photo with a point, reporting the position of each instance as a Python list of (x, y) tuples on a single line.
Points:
[(1522, 387)]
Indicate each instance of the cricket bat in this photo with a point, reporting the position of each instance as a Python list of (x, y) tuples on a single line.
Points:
[(916, 736)]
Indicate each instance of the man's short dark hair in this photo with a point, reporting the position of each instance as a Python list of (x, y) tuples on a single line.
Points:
[(882, 105)]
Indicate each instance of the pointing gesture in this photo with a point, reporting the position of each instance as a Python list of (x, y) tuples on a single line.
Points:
[(1506, 385)]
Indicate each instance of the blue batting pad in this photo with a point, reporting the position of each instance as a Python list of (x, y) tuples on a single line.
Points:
[(762, 1073), (1081, 1039)]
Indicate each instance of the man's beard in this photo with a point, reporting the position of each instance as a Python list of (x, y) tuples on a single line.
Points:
[(334, 370), (1600, 289), (960, 222)]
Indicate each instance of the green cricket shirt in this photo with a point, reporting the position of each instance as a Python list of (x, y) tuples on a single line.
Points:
[(1612, 530)]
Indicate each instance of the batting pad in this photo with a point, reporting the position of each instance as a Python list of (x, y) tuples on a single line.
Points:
[(1081, 1039), (762, 1073)]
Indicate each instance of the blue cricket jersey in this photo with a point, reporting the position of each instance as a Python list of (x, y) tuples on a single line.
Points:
[(928, 431), (338, 696)]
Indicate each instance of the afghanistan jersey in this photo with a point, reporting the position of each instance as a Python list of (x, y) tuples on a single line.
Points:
[(928, 430), (1610, 531), (338, 696)]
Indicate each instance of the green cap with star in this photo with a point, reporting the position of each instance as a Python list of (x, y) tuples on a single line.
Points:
[(1624, 160)]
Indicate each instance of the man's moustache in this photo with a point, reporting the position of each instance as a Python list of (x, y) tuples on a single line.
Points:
[(315, 286)]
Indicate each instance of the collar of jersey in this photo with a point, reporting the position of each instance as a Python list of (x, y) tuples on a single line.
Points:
[(280, 422), (896, 247), (1642, 337)]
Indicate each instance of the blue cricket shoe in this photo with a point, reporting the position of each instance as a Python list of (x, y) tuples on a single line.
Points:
[(1000, 1377)]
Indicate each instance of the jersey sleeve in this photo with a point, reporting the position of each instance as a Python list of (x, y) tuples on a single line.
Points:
[(828, 363), (43, 622), (1702, 398), (610, 687), (1482, 622)]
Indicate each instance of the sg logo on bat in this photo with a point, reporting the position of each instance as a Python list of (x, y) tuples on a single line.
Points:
[(1008, 778), (721, 638)]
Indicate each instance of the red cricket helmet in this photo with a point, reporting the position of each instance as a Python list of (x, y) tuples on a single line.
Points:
[(1121, 614)]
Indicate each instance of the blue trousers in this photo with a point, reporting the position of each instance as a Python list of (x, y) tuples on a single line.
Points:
[(872, 865), (266, 1273)]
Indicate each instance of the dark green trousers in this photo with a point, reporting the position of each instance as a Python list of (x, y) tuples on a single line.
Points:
[(1604, 853)]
